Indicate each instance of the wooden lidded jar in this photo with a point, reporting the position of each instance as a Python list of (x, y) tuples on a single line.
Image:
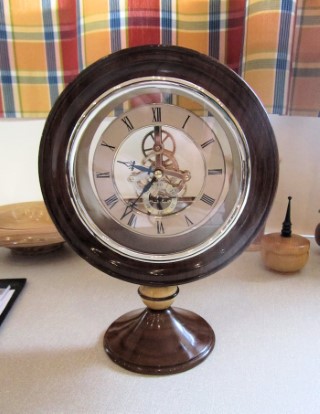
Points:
[(285, 252)]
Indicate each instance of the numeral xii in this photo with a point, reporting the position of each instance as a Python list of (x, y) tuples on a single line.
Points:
[(156, 114)]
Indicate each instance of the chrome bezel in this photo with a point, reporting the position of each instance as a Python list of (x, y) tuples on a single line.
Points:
[(94, 115)]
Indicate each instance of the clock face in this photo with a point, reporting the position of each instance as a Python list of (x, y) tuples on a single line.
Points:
[(158, 181), (158, 165)]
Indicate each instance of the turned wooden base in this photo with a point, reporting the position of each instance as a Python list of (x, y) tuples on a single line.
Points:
[(159, 341)]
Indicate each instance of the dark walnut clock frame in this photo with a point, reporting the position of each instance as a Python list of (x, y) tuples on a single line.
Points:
[(159, 339)]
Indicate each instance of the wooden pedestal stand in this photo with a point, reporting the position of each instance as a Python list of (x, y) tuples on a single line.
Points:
[(159, 339)]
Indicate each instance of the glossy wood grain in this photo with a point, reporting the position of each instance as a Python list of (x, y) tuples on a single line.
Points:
[(159, 342)]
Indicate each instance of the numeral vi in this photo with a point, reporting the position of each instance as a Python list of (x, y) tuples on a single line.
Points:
[(160, 227)]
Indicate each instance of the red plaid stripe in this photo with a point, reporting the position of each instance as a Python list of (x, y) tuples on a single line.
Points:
[(143, 22), (69, 40)]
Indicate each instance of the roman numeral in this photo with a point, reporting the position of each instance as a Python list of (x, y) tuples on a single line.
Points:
[(207, 199), (188, 221), (185, 122), (127, 121), (132, 220), (103, 175), (205, 144), (128, 210), (156, 114), (160, 227), (104, 144), (111, 201), (217, 171)]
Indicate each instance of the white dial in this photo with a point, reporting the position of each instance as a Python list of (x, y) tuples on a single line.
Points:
[(168, 187)]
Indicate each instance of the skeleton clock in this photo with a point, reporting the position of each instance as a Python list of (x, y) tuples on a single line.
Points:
[(158, 165)]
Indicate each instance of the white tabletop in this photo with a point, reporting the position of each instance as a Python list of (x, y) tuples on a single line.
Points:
[(266, 358)]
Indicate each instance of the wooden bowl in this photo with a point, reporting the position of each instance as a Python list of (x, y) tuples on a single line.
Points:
[(27, 228)]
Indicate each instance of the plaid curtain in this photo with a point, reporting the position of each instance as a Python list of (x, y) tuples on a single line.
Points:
[(273, 44)]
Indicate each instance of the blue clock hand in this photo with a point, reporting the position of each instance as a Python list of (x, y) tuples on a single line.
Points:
[(132, 164)]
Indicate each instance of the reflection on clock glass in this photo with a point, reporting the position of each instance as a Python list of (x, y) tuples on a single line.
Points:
[(166, 169)]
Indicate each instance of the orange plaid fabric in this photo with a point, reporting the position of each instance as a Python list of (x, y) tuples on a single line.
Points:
[(273, 44), (281, 55)]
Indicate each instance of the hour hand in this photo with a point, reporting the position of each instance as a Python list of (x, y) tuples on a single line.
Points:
[(132, 204), (132, 165)]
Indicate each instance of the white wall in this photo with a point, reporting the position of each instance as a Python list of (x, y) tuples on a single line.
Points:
[(298, 141)]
